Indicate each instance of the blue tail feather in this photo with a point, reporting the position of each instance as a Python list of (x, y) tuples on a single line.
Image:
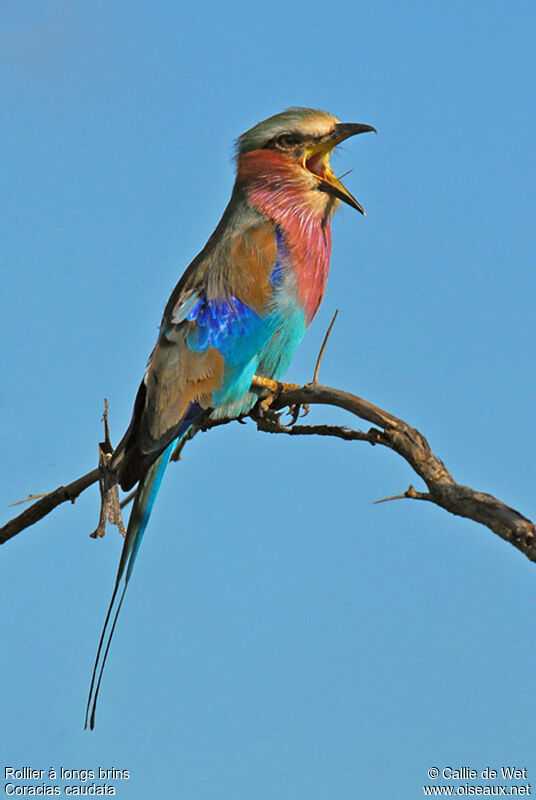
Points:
[(137, 523), (141, 511)]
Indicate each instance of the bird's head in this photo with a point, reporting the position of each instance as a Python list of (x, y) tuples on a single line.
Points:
[(298, 142)]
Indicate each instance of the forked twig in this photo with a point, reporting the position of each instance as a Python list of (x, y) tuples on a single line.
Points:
[(27, 499), (410, 492), (324, 343), (388, 431)]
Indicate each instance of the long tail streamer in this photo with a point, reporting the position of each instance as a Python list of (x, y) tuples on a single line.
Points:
[(137, 523)]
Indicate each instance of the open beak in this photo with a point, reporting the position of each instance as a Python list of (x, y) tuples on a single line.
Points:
[(317, 162)]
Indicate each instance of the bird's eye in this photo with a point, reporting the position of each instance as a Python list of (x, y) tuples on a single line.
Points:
[(286, 140)]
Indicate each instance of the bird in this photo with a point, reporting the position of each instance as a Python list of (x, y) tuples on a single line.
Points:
[(237, 314)]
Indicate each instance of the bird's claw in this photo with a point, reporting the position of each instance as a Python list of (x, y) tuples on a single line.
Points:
[(296, 411), (275, 388), (267, 413)]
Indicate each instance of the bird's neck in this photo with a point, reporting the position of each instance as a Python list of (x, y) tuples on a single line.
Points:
[(286, 194)]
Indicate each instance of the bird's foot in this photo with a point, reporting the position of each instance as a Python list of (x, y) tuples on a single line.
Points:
[(274, 387), (266, 417), (272, 390), (294, 413)]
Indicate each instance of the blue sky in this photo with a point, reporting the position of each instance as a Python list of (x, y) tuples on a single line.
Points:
[(282, 636)]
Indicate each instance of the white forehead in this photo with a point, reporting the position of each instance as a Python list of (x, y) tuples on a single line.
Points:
[(306, 121)]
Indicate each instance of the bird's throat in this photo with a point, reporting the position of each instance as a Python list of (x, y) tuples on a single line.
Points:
[(285, 194)]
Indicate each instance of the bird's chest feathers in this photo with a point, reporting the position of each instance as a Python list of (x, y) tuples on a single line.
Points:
[(302, 216), (309, 247)]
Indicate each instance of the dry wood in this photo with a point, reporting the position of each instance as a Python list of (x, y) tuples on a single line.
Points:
[(389, 431)]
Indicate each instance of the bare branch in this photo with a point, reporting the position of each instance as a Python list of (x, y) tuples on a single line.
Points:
[(409, 443), (324, 343), (410, 492), (388, 430), (128, 499), (28, 499), (47, 504)]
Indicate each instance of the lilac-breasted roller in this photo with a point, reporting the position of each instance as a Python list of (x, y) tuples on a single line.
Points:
[(238, 312)]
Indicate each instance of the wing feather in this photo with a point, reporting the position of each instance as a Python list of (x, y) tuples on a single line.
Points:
[(206, 346)]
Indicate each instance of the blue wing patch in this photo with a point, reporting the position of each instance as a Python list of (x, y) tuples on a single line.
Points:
[(230, 326)]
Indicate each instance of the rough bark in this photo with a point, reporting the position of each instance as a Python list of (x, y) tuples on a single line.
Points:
[(388, 431)]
